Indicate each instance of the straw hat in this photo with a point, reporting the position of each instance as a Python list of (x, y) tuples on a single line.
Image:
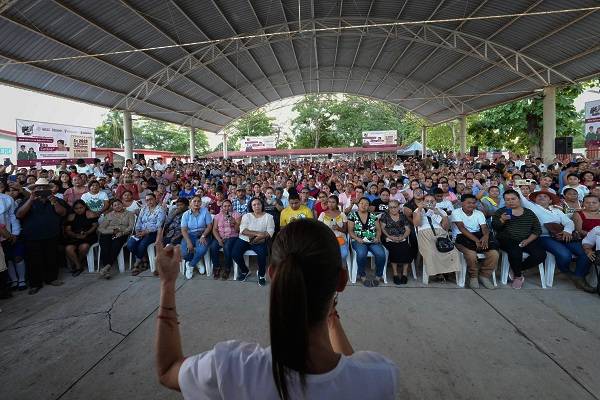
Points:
[(553, 197), (39, 182)]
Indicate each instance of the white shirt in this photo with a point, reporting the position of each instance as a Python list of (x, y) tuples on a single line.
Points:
[(471, 222), (552, 215), (263, 224), (445, 205), (8, 217), (95, 201), (593, 238), (436, 219), (242, 371), (159, 166)]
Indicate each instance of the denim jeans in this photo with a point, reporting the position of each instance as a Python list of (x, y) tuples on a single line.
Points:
[(199, 249), (240, 246), (139, 247), (361, 257), (227, 252), (344, 252), (563, 252)]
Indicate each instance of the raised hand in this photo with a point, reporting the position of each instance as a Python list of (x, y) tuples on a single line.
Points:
[(167, 259)]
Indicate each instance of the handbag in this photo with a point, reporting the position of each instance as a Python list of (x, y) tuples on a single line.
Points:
[(443, 244)]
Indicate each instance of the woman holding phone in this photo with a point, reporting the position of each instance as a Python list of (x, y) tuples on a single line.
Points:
[(517, 230)]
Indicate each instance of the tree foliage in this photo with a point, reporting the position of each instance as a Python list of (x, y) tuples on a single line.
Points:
[(149, 134), (331, 121), (518, 126), (256, 123)]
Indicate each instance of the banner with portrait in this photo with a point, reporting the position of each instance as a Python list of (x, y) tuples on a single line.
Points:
[(379, 138), (258, 143), (42, 143), (592, 124)]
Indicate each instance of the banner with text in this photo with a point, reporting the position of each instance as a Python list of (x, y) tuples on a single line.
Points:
[(42, 143), (592, 124), (257, 143), (379, 138)]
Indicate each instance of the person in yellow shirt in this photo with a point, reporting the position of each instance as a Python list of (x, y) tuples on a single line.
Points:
[(295, 210)]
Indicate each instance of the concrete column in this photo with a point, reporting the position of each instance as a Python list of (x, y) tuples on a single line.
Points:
[(192, 143), (127, 135), (549, 124), (462, 121), (424, 140), (225, 145)]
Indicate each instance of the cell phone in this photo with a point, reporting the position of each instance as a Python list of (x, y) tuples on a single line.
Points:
[(7, 162), (509, 212)]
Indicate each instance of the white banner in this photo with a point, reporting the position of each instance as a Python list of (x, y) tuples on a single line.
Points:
[(592, 123), (379, 138), (42, 143), (257, 143)]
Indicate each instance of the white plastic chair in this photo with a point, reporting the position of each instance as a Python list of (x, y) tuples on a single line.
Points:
[(247, 255), (120, 258), (463, 269), (550, 265), (90, 258), (205, 259), (505, 266), (354, 268)]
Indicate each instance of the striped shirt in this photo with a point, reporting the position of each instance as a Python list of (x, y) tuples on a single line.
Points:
[(518, 228)]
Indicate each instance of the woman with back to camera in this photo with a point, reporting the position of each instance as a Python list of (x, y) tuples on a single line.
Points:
[(310, 356)]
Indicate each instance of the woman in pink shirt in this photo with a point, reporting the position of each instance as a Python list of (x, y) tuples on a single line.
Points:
[(226, 228)]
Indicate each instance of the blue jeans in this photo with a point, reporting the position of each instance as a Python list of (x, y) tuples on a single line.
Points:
[(227, 252), (563, 252), (361, 257), (240, 246), (344, 252), (139, 247), (199, 249)]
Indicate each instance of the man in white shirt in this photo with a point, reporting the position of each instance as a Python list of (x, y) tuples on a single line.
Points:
[(472, 237), (159, 165)]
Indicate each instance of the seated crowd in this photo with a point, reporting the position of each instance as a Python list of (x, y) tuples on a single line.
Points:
[(428, 210)]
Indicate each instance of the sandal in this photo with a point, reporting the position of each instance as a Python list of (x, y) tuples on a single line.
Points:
[(135, 271), (217, 273), (76, 272)]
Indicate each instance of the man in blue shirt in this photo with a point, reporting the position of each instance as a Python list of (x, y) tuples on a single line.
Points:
[(196, 227), (150, 220)]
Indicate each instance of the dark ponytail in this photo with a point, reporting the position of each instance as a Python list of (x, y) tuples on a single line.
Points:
[(306, 262)]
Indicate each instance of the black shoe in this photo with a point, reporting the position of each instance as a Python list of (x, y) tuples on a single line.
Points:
[(21, 288), (397, 280), (76, 272), (404, 280), (581, 283), (242, 276), (34, 290), (262, 281)]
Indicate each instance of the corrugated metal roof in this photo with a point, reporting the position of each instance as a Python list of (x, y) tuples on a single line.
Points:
[(406, 68)]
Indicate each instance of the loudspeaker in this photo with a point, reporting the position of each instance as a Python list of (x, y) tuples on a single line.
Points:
[(417, 153), (329, 156), (563, 145), (474, 152), (139, 156)]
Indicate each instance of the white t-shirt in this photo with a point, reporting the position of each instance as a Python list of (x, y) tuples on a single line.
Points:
[(95, 201), (240, 371), (472, 222)]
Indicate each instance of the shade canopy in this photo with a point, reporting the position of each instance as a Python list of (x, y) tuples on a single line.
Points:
[(249, 53)]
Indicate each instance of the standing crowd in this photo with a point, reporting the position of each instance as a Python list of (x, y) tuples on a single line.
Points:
[(437, 212)]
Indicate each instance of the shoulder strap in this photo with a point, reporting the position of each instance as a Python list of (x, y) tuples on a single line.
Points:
[(431, 225)]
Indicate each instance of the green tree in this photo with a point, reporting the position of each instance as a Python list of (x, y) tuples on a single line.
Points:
[(110, 133), (256, 123), (518, 126)]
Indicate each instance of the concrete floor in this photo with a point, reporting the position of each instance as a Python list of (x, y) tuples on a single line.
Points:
[(93, 339)]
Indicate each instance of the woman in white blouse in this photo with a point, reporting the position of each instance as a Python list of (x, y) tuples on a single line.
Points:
[(557, 236), (255, 229)]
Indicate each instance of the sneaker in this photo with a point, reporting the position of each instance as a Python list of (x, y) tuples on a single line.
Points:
[(487, 282), (396, 280), (262, 281), (403, 280), (473, 283), (202, 270), (189, 270), (517, 282), (242, 276)]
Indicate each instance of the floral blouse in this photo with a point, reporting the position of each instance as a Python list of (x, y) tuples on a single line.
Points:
[(394, 228), (367, 230)]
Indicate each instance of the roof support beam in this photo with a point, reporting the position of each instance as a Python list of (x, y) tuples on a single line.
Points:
[(6, 4), (107, 32), (235, 33), (408, 46), (196, 121), (169, 38), (358, 45), (538, 40), (288, 24), (337, 42), (314, 45), (387, 38)]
